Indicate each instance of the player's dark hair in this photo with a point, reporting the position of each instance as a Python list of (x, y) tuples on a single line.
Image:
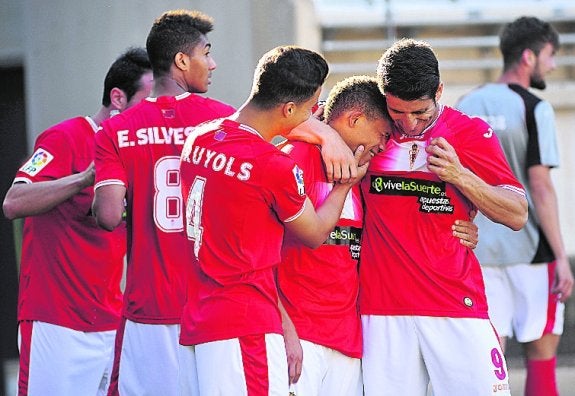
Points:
[(175, 31), (525, 33), (360, 93), (409, 70), (287, 74), (125, 73)]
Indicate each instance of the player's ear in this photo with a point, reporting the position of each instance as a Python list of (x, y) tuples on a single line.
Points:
[(353, 117), (118, 99), (181, 61), (288, 109), (439, 92), (528, 57)]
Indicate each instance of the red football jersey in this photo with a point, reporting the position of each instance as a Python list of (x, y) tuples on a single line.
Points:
[(319, 287), (239, 190), (140, 149), (411, 263), (71, 269)]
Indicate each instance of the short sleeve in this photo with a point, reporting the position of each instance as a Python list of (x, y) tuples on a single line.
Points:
[(546, 134), (480, 150), (51, 159), (286, 187), (109, 167)]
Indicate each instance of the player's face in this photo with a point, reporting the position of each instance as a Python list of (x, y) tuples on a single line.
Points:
[(411, 117), (369, 133), (146, 82), (199, 74), (545, 63)]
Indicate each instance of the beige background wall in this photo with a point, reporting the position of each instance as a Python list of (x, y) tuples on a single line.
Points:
[(66, 46)]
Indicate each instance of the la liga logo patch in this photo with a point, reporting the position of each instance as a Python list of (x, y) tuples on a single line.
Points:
[(298, 175), (37, 162)]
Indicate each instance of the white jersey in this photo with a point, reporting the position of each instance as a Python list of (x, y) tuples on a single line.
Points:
[(525, 126)]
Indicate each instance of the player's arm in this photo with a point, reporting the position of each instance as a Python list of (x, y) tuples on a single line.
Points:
[(108, 205), (545, 203), (293, 347), (313, 226), (337, 157), (30, 199), (496, 203)]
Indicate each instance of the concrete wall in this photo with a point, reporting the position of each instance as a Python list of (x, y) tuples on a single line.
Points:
[(66, 46), (11, 51)]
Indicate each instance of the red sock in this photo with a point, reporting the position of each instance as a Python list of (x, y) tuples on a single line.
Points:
[(541, 378)]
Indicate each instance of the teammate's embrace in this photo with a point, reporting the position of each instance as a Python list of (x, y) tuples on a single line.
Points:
[(319, 288), (240, 193)]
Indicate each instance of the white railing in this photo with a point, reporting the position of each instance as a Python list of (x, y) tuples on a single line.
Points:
[(373, 13), (471, 42)]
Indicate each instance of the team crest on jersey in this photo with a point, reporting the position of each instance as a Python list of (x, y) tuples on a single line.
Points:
[(37, 162), (298, 175)]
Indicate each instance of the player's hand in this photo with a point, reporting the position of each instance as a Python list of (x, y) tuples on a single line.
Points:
[(443, 161), (467, 232), (294, 354), (88, 175), (563, 286), (362, 163), (340, 164), (338, 159), (318, 110)]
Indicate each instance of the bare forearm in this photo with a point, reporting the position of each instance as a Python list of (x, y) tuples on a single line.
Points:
[(32, 199), (330, 210), (312, 131), (496, 203), (287, 324), (293, 347), (547, 210), (313, 226), (108, 205)]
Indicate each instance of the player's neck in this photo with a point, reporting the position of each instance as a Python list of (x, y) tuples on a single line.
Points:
[(167, 86), (101, 115), (258, 120), (516, 77)]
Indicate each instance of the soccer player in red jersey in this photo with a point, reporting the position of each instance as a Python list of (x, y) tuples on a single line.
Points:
[(319, 288), (240, 193), (422, 297), (70, 298), (137, 159)]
